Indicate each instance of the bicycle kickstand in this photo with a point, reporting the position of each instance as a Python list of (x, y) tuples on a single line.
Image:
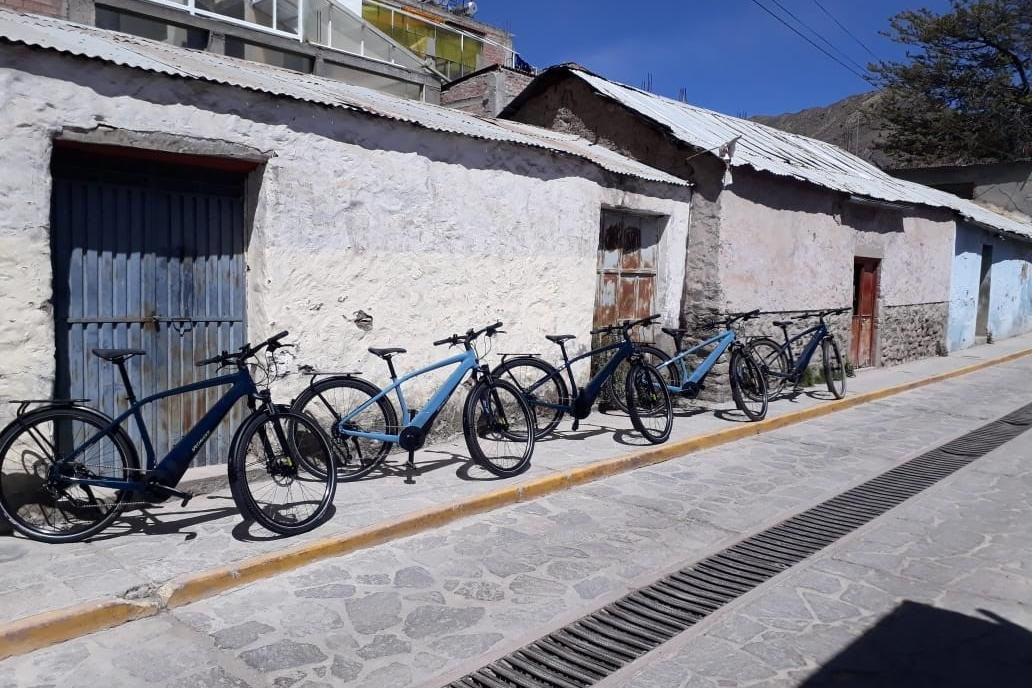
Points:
[(410, 468)]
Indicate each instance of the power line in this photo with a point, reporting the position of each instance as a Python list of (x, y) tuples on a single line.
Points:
[(850, 33), (820, 36), (806, 38)]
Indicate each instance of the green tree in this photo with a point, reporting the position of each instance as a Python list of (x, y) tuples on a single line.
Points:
[(964, 95)]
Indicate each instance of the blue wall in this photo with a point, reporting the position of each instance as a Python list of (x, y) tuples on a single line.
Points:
[(1010, 297)]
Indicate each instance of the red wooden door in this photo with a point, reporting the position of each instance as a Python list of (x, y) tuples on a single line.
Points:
[(865, 295), (626, 284)]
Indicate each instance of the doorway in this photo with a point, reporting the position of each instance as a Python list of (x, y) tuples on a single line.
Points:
[(147, 253), (865, 299), (628, 254), (985, 276)]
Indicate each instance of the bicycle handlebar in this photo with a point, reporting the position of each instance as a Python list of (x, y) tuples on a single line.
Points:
[(627, 325), (732, 318), (471, 335), (246, 351), (822, 314)]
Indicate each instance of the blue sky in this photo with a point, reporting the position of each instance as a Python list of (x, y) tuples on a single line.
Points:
[(729, 54)]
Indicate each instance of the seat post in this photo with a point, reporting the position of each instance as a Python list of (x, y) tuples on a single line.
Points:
[(129, 394), (390, 367)]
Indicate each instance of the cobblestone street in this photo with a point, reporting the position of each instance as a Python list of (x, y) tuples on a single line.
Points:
[(427, 609)]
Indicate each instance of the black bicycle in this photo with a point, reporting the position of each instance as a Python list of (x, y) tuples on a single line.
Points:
[(68, 470), (781, 365), (646, 397)]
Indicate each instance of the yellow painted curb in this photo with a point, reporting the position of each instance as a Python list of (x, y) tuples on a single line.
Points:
[(35, 632), (42, 630)]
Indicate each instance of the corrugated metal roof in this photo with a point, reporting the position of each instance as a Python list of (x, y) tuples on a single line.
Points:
[(778, 152), (141, 53)]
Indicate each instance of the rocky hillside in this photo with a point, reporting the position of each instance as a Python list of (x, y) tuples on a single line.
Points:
[(845, 124)]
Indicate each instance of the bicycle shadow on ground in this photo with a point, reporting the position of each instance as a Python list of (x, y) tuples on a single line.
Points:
[(920, 645), (249, 531), (794, 395), (153, 520)]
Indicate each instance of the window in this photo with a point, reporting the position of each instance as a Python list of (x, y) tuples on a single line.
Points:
[(236, 47), (377, 82), (181, 36)]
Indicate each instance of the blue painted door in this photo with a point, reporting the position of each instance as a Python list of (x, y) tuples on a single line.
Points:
[(149, 256)]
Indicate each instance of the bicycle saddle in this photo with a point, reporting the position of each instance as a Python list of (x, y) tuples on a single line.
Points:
[(782, 323), (117, 355), (386, 353), (559, 338), (675, 332)]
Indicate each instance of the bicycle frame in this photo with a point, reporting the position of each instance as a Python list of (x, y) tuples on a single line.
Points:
[(690, 381), (818, 332), (178, 459), (465, 362), (585, 396)]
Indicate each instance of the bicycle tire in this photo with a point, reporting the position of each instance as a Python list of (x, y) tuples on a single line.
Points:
[(774, 361), (614, 391), (748, 385), (505, 411), (648, 397), (280, 472), (833, 368), (355, 458), (549, 387), (11, 487)]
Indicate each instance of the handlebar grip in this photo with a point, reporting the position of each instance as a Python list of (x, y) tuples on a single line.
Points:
[(209, 361), (446, 340)]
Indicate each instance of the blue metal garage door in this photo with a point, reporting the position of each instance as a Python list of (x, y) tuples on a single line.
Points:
[(147, 255)]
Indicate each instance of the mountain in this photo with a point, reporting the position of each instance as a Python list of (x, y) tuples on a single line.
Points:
[(846, 124)]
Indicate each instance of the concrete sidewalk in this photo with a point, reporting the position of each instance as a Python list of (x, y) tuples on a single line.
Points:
[(150, 547), (424, 610)]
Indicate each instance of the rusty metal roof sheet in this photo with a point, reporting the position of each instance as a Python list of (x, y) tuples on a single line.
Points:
[(771, 150), (141, 53)]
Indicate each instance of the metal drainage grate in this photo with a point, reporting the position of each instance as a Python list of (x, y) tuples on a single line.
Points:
[(588, 650)]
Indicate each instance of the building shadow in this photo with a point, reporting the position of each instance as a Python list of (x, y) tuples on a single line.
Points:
[(918, 645)]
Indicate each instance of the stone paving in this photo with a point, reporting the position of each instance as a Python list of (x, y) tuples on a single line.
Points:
[(150, 547), (426, 609), (936, 593)]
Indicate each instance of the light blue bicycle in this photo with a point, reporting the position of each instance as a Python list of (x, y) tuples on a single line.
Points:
[(748, 382), (363, 425)]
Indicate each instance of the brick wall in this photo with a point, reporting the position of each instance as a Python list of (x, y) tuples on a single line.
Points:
[(52, 8)]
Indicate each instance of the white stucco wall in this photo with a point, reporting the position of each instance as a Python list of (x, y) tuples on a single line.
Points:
[(789, 246), (429, 233)]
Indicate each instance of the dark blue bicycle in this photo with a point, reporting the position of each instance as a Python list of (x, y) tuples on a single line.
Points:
[(782, 366), (68, 470)]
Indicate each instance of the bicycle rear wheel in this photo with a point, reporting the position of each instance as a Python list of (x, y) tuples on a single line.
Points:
[(614, 388), (499, 427), (748, 385), (539, 383), (774, 362), (834, 369), (35, 499), (281, 472), (648, 402), (328, 401)]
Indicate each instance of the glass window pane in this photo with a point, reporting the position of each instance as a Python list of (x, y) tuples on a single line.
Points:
[(317, 21), (286, 15), (260, 53), (377, 82), (347, 31), (182, 36)]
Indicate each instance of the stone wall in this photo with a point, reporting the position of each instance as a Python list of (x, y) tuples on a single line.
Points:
[(52, 8), (910, 332), (485, 93), (426, 233)]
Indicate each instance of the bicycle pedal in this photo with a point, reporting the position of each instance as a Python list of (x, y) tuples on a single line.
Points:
[(576, 425), (186, 500)]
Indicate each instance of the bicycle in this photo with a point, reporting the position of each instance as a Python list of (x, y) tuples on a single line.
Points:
[(748, 384), (363, 425), (81, 465), (542, 384), (781, 366)]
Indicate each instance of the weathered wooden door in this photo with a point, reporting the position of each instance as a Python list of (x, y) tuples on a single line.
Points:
[(985, 276), (865, 296), (627, 257), (147, 256)]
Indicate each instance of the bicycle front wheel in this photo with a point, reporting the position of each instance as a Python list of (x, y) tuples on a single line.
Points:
[(834, 369), (748, 385), (648, 402), (614, 388), (542, 386), (329, 401), (499, 427), (774, 362), (36, 495), (281, 472)]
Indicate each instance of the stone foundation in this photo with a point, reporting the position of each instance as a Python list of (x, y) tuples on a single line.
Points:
[(910, 332)]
